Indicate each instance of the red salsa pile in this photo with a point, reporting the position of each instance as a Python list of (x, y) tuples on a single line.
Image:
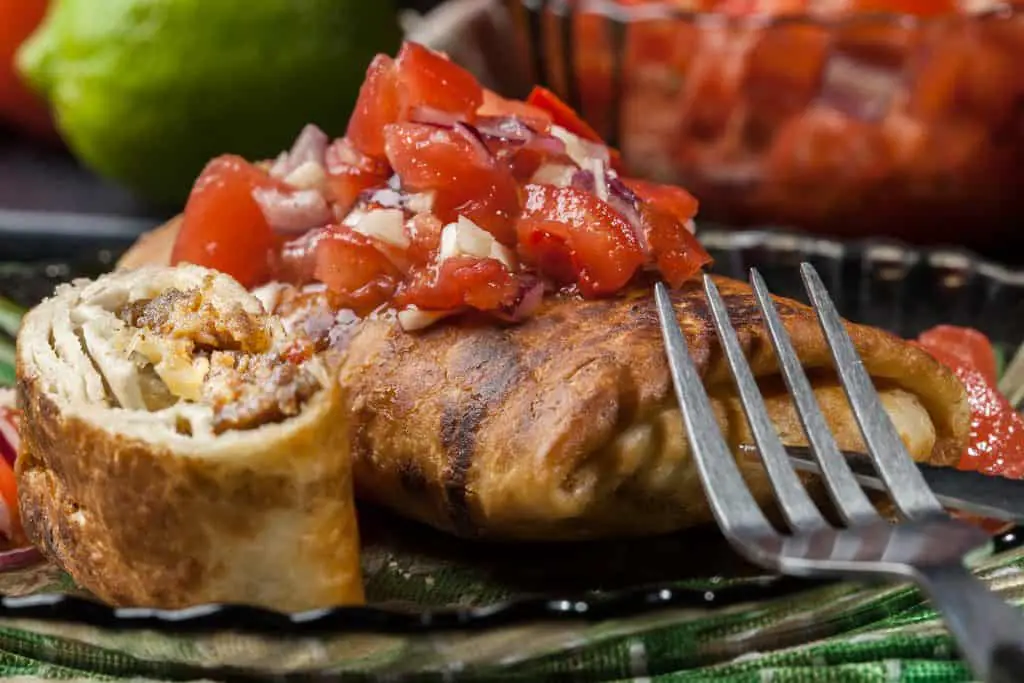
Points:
[(442, 197)]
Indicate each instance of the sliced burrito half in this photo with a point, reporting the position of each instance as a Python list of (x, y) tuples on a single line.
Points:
[(181, 448)]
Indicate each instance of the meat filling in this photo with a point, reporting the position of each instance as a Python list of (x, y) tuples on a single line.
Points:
[(249, 391), (180, 314), (187, 348)]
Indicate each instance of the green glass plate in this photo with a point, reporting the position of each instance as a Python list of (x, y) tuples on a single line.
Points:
[(678, 607)]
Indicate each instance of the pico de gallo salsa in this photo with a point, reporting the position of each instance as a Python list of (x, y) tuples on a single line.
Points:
[(442, 197)]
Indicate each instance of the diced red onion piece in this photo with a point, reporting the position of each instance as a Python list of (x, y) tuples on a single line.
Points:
[(412, 318), (346, 324), (386, 225), (293, 212), (600, 179), (353, 217), (621, 189), (529, 301), (269, 295), (625, 201), (340, 157), (387, 198), (559, 175), (297, 256), (548, 144), (507, 128), (19, 558), (580, 150), (308, 176), (421, 202), (433, 117), (474, 138), (583, 180), (531, 294), (310, 145)]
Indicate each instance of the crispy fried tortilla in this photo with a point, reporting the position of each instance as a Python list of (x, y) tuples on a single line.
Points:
[(176, 452), (566, 427)]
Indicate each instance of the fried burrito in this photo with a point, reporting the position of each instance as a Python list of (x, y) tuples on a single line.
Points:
[(565, 426), (180, 448)]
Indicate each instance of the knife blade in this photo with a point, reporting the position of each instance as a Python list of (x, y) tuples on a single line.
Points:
[(972, 492)]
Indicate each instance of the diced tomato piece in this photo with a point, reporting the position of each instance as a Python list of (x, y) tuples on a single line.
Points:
[(376, 107), (223, 227), (427, 79), (491, 200), (598, 241), (996, 442), (561, 113), (550, 255), (677, 253), (665, 211), (427, 157), (467, 181), (350, 172), (968, 345), (668, 198), (9, 494), (496, 105), (345, 187), (564, 116), (483, 284), (352, 268), (424, 238), (296, 260)]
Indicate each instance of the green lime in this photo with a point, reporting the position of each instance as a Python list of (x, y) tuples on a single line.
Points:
[(146, 91)]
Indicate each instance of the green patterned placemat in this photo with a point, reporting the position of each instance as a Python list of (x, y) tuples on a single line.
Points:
[(835, 632), (838, 632)]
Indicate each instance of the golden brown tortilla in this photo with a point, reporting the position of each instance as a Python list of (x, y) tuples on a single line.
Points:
[(566, 427)]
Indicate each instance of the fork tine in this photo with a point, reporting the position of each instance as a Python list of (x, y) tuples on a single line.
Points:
[(846, 493), (798, 508), (906, 485), (738, 514)]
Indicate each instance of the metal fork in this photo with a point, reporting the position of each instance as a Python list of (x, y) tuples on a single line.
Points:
[(928, 546)]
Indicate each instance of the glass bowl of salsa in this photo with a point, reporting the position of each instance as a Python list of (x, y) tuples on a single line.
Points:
[(902, 118)]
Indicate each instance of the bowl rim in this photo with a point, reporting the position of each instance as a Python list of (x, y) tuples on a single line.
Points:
[(665, 10)]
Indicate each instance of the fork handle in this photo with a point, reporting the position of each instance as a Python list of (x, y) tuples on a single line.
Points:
[(988, 630)]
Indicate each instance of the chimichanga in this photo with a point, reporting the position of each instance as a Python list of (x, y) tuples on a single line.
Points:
[(565, 425), (180, 448)]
